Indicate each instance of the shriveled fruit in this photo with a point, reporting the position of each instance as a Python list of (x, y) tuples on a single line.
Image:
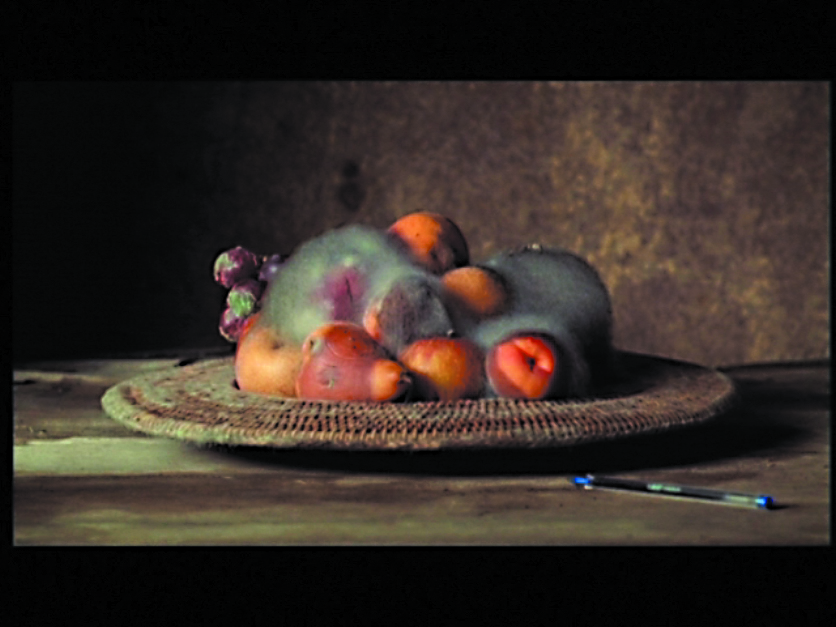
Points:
[(343, 292), (333, 277), (409, 309), (558, 295)]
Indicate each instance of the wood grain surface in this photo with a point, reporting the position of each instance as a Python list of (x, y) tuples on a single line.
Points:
[(80, 478)]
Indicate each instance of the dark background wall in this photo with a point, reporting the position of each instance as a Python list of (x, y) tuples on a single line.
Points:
[(704, 205)]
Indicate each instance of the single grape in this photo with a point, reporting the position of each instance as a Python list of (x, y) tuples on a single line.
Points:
[(244, 296), (234, 265), (231, 325), (271, 267)]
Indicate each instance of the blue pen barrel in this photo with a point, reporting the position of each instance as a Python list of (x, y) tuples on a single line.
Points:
[(677, 491)]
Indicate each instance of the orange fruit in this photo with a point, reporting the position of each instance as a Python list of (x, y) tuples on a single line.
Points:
[(264, 363), (479, 291), (445, 368), (524, 366), (434, 241), (346, 340), (341, 361)]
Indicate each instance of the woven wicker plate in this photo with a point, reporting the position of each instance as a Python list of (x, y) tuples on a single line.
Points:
[(199, 403)]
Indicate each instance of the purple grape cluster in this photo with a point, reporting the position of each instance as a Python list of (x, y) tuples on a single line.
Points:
[(246, 276)]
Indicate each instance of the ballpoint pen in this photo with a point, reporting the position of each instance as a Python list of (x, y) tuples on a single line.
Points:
[(656, 488)]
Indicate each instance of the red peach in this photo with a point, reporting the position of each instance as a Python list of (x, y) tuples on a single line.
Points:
[(341, 361), (524, 366)]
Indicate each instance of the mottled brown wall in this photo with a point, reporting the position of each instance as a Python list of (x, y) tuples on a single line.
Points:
[(704, 205)]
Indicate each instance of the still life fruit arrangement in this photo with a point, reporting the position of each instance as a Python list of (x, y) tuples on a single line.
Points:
[(403, 315)]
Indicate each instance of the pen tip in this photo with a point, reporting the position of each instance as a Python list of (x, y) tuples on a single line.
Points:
[(766, 502)]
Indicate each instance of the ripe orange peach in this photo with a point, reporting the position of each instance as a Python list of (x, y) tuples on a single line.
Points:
[(341, 361), (435, 241), (445, 368), (524, 366), (479, 291), (264, 363)]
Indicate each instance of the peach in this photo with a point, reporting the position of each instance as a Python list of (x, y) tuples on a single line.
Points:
[(481, 292), (264, 363), (434, 241), (341, 361), (445, 368), (523, 366)]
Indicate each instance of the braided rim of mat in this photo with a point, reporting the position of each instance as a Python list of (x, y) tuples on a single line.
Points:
[(199, 403)]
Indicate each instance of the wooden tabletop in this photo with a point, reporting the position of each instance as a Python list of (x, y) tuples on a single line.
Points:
[(80, 478)]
